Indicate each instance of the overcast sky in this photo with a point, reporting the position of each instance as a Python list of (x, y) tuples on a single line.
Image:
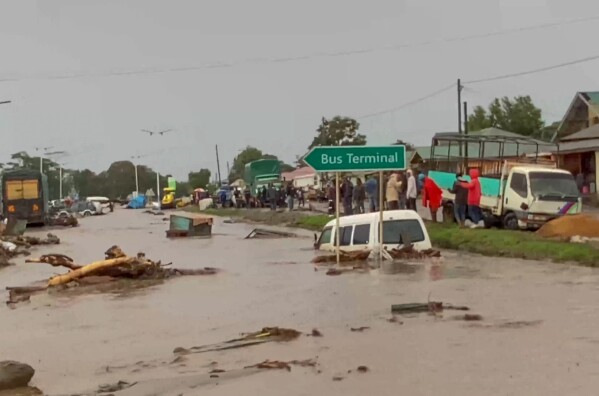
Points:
[(275, 106)]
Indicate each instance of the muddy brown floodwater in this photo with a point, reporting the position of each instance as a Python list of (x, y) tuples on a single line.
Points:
[(538, 335)]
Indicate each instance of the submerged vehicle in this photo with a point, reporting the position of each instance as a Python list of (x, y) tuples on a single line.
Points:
[(361, 231), (25, 195), (521, 188)]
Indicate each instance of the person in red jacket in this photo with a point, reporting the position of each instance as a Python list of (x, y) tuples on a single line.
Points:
[(431, 197), (474, 194)]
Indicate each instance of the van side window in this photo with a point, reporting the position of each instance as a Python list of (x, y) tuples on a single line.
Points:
[(345, 235), (392, 230), (519, 184), (325, 237), (362, 234)]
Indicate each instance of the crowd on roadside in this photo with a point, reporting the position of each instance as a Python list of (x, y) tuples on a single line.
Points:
[(401, 191)]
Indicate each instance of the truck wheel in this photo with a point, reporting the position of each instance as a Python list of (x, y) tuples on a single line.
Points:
[(448, 214), (510, 221)]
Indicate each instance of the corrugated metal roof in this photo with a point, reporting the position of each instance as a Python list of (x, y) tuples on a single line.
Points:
[(578, 146), (591, 132)]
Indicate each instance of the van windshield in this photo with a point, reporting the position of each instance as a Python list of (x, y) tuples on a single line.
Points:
[(393, 229), (548, 186), (325, 237)]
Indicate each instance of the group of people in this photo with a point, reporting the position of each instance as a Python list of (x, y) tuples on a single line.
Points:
[(402, 190), (467, 198)]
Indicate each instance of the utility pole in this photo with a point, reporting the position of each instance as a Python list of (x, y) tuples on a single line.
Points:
[(136, 179), (228, 168), (151, 133), (466, 135), (220, 181), (460, 111)]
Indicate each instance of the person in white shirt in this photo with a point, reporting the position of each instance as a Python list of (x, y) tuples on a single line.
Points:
[(412, 191)]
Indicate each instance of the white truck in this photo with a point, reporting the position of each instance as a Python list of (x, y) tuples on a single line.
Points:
[(523, 192)]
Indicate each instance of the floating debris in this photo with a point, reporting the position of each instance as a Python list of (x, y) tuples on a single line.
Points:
[(431, 307), (359, 329), (267, 334), (261, 233)]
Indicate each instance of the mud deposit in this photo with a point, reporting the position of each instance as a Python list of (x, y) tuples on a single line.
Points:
[(537, 335)]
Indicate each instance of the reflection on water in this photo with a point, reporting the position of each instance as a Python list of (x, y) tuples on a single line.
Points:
[(529, 341)]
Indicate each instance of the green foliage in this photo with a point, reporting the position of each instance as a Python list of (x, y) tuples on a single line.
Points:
[(517, 244), (409, 146), (199, 179), (518, 115), (339, 131)]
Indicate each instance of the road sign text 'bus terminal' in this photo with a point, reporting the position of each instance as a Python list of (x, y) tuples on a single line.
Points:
[(356, 158)]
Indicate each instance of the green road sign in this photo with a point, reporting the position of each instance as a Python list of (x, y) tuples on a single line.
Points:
[(356, 158)]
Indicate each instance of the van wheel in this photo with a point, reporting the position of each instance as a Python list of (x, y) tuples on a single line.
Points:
[(510, 221), (448, 214), (86, 214)]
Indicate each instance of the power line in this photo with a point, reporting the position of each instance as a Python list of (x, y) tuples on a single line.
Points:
[(222, 64), (534, 71), (410, 103)]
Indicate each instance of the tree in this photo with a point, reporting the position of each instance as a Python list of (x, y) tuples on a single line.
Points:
[(339, 131), (246, 156), (199, 179), (409, 146), (518, 115)]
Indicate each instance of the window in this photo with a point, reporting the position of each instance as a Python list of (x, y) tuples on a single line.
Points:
[(519, 184), (325, 237), (14, 190), (393, 229), (345, 235), (362, 234), (552, 185), (30, 189)]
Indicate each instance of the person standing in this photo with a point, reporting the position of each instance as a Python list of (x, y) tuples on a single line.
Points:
[(301, 200), (332, 195), (431, 197), (263, 196), (359, 196), (460, 202), (411, 191), (290, 196), (372, 190), (272, 197), (403, 189), (347, 192), (474, 194), (248, 196), (392, 192)]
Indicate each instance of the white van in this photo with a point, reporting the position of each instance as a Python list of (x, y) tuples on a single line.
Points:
[(358, 232), (100, 203)]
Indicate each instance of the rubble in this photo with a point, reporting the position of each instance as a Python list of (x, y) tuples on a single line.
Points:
[(12, 246), (409, 253), (115, 265), (267, 334), (430, 307), (260, 233), (361, 255)]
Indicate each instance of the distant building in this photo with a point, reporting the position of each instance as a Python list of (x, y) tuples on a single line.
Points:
[(578, 139), (304, 177)]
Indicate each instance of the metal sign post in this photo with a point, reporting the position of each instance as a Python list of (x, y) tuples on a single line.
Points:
[(337, 238), (381, 201)]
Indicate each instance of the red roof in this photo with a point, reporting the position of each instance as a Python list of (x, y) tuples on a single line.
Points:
[(301, 172)]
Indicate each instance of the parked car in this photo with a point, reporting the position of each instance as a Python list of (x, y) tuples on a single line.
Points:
[(81, 208)]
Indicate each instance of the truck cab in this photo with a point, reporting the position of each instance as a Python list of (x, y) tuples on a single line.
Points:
[(520, 189), (533, 196)]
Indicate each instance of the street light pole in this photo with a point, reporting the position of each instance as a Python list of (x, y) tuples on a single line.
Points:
[(151, 133), (136, 178)]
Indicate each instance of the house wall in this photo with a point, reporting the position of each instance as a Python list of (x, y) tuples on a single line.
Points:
[(307, 181)]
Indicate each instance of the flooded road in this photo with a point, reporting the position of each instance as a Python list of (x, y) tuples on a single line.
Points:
[(537, 337)]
